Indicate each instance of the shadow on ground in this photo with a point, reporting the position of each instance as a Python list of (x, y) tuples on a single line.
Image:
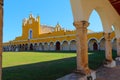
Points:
[(49, 70)]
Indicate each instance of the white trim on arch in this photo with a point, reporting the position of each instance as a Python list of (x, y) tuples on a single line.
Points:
[(101, 39), (66, 41), (58, 41), (72, 40), (93, 38), (51, 42)]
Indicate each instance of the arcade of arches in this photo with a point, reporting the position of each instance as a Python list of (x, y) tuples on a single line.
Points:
[(53, 39), (109, 12), (93, 45)]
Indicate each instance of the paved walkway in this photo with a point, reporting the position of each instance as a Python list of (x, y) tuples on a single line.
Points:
[(102, 73)]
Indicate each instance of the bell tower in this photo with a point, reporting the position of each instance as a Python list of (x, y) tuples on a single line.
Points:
[(31, 27)]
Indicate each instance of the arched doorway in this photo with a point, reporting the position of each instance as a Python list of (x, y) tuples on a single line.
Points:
[(31, 46), (40, 47), (57, 46), (20, 47), (26, 47), (23, 47), (73, 45), (95, 46), (102, 44), (65, 46), (52, 47), (35, 46), (46, 47)]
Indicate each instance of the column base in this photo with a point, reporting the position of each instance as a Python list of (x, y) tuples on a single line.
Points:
[(83, 71), (118, 58), (91, 76), (77, 76), (110, 64)]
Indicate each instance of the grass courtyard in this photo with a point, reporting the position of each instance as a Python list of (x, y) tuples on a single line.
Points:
[(44, 65)]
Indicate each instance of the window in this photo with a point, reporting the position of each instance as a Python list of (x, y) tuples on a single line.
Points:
[(30, 34)]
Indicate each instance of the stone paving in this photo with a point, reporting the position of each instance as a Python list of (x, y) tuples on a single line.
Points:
[(102, 73)]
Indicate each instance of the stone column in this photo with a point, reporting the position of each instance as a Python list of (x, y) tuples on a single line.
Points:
[(118, 47), (1, 35), (108, 47), (82, 46)]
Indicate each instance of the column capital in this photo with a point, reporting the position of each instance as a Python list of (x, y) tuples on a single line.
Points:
[(1, 2), (81, 24)]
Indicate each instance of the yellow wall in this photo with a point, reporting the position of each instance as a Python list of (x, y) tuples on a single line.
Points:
[(60, 35), (33, 24)]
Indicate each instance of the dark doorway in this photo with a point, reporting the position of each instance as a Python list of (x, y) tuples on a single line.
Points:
[(20, 47), (57, 46), (31, 46), (95, 46), (23, 47), (26, 47)]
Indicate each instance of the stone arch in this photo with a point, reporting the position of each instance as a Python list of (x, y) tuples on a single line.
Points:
[(20, 47), (31, 47), (14, 47), (65, 46), (35, 46), (92, 44), (73, 45), (94, 39), (57, 46), (114, 44), (106, 23), (46, 48), (23, 47), (52, 46), (26, 47), (117, 29), (40, 47), (102, 44), (82, 9)]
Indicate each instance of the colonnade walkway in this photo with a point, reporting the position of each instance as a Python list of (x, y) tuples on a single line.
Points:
[(103, 73)]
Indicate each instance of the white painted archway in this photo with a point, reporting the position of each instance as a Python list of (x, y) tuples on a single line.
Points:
[(81, 10), (102, 44), (40, 47), (46, 46), (92, 44), (65, 46), (73, 45), (51, 46)]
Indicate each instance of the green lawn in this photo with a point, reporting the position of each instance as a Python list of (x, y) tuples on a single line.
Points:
[(44, 65), (21, 58)]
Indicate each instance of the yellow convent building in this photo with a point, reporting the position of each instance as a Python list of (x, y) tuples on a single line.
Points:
[(39, 37)]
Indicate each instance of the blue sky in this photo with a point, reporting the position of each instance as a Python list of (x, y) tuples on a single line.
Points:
[(51, 12)]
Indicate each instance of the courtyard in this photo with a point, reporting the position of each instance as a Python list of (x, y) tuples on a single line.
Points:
[(45, 65)]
